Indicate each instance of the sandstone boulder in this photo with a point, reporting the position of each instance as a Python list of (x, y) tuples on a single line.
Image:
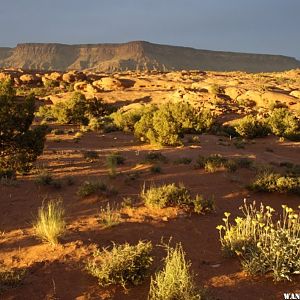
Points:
[(108, 84), (233, 92), (295, 94), (30, 79)]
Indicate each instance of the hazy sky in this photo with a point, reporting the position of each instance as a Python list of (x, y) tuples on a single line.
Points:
[(259, 26)]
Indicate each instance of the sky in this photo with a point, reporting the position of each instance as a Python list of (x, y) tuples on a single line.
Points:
[(254, 26)]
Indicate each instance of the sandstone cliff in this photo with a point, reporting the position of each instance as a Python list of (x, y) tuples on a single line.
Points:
[(137, 56)]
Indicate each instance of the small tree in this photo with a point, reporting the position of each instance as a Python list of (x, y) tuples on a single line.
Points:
[(20, 144)]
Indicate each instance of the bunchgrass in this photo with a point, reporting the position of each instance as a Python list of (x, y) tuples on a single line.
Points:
[(123, 264), (175, 280), (50, 223)]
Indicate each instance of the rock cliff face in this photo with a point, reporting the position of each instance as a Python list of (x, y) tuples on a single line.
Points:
[(137, 56)]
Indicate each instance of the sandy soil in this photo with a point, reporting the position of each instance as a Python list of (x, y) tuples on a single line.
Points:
[(58, 272)]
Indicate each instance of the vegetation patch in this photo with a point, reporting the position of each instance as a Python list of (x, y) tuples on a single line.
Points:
[(93, 187), (265, 245), (269, 181), (123, 264), (50, 223), (175, 280), (11, 278)]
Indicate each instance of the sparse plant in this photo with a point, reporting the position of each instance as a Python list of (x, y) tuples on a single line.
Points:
[(11, 278), (203, 205), (109, 217), (112, 161), (44, 177), (175, 280), (265, 245), (92, 187), (50, 223), (155, 169), (183, 161), (90, 155), (123, 264), (154, 156)]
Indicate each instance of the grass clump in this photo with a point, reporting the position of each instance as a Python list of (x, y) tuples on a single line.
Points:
[(109, 217), (50, 223), (123, 264), (175, 280), (11, 278), (92, 187), (264, 245), (269, 181)]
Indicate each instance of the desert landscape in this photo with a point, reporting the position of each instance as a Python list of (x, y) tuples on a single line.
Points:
[(149, 184)]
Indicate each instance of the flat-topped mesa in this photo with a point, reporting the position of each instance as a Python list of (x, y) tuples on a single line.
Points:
[(137, 55)]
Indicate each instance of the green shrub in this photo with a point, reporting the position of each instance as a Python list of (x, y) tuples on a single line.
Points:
[(125, 120), (166, 195), (92, 187), (76, 110), (283, 123), (175, 280), (269, 181), (50, 224), (265, 245), (123, 264), (250, 127), (167, 123)]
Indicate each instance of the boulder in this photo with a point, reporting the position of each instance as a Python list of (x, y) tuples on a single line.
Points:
[(233, 92), (295, 94), (29, 79), (108, 84)]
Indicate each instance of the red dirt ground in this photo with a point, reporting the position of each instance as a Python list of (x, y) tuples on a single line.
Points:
[(58, 272)]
